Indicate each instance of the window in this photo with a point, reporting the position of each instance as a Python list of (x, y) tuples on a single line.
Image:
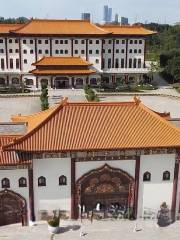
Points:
[(140, 41), (29, 81), (90, 51), (2, 81), (57, 51), (25, 61), (17, 63), (16, 50), (139, 63), (103, 50), (1, 50), (103, 41), (134, 63), (25, 51), (90, 42), (10, 50), (110, 41), (147, 177), (117, 50), (41, 181), (123, 41), (82, 42), (131, 41), (76, 51), (22, 182), (39, 41), (166, 176), (11, 63), (130, 50), (117, 41), (103, 63), (109, 62), (76, 41), (130, 63), (31, 51), (116, 63), (61, 51), (66, 41), (66, 51), (97, 60), (46, 51), (135, 50), (122, 51), (135, 41), (1, 40), (24, 41), (31, 41), (15, 80), (61, 41), (10, 40), (82, 51), (5, 183), (2, 63), (109, 50), (122, 62), (16, 40), (46, 41), (97, 51), (40, 51), (93, 81), (56, 41), (97, 41), (62, 180), (139, 51)]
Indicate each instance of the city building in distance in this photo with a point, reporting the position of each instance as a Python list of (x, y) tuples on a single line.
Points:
[(107, 14), (124, 21), (86, 16)]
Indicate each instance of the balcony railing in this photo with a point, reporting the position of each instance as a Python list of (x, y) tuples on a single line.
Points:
[(126, 70)]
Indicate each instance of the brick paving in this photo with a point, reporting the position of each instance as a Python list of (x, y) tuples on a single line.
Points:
[(98, 230)]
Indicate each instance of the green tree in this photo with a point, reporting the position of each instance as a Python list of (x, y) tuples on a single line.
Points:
[(44, 97)]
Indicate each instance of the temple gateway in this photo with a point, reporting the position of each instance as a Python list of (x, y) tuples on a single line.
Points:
[(97, 155)]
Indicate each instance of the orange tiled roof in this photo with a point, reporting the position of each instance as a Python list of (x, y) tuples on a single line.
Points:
[(62, 61), (62, 72), (6, 28), (10, 158), (34, 119), (60, 27), (98, 126), (127, 30)]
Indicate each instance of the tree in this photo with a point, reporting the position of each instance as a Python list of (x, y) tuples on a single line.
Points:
[(44, 97)]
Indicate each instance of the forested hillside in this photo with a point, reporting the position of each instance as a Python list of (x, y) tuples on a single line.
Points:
[(165, 47)]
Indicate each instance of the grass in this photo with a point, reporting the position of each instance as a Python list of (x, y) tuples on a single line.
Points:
[(178, 90)]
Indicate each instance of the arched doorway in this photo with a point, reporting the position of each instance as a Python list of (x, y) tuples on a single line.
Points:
[(13, 208), (106, 186)]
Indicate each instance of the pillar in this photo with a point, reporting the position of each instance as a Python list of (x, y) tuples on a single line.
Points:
[(136, 186), (31, 196), (73, 185)]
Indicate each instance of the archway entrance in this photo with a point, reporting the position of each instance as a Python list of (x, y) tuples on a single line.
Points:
[(107, 187), (13, 208)]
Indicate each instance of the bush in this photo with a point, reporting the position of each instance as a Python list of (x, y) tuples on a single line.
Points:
[(54, 222)]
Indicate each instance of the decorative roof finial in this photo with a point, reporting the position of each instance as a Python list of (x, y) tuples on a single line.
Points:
[(64, 101), (137, 100)]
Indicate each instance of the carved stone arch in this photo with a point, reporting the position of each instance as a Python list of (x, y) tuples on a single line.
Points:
[(106, 185), (13, 208)]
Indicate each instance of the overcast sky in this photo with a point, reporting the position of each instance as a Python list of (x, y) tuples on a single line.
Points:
[(162, 11)]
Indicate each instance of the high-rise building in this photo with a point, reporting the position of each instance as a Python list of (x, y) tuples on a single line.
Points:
[(116, 19), (107, 15), (86, 16), (110, 15), (124, 21)]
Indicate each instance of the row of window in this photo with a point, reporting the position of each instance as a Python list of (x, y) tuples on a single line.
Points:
[(147, 176), (120, 63), (5, 182)]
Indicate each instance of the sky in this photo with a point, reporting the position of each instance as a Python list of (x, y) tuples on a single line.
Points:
[(161, 11)]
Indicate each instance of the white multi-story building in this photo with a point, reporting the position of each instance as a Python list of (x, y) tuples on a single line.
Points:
[(113, 52)]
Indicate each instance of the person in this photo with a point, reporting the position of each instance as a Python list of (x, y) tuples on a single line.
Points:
[(163, 215)]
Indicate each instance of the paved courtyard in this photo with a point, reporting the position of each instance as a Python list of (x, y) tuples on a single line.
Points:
[(98, 230)]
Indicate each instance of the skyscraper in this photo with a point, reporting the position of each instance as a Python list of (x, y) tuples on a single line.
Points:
[(86, 16), (124, 21), (110, 15), (107, 15)]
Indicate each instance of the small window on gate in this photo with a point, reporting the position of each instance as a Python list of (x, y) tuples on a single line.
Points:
[(166, 176), (5, 183), (147, 177), (41, 181), (62, 180), (22, 182)]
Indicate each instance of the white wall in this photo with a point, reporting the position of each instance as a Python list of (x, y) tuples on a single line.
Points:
[(153, 193), (52, 196)]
